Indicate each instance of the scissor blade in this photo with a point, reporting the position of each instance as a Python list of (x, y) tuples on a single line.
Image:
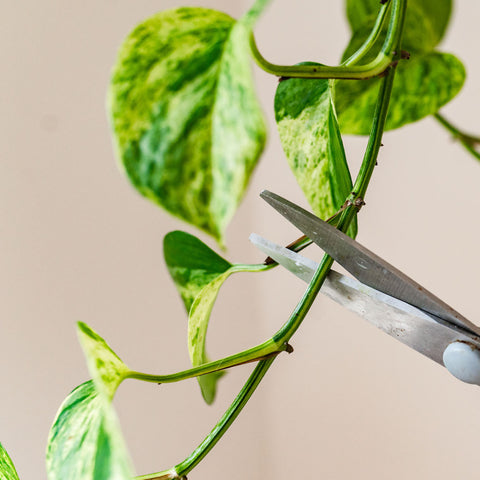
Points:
[(300, 266), (398, 319), (364, 265)]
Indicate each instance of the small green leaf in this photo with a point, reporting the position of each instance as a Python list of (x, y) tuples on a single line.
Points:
[(198, 273), (311, 139), (191, 264), (85, 442), (106, 368), (7, 468), (425, 23), (187, 123), (195, 267), (422, 86)]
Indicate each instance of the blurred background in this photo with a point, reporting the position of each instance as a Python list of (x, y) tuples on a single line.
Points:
[(78, 243)]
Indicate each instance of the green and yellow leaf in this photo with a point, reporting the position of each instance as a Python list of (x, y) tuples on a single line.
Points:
[(191, 264), (186, 120), (198, 273), (311, 139), (85, 442), (106, 368), (423, 84)]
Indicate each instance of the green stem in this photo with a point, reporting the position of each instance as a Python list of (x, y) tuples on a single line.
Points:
[(291, 326), (302, 308), (375, 67), (183, 468), (369, 42), (265, 349), (353, 72), (360, 187), (375, 138), (251, 267), (227, 419), (468, 141), (359, 190), (395, 28)]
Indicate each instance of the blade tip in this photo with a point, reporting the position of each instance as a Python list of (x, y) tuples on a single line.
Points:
[(253, 237), (271, 198), (265, 193)]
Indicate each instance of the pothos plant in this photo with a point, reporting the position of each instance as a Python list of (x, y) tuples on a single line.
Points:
[(189, 131)]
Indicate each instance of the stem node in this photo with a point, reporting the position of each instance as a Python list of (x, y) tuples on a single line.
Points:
[(359, 203)]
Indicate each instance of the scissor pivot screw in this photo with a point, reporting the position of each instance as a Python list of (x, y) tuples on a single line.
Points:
[(462, 360)]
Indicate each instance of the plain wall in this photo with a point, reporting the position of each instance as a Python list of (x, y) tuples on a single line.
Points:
[(78, 243)]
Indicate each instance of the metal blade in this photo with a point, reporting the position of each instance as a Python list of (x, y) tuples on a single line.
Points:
[(300, 266), (364, 265), (402, 321)]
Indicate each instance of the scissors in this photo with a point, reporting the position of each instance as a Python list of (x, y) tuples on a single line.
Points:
[(380, 293)]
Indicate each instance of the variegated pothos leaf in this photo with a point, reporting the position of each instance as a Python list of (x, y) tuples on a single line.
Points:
[(311, 139), (187, 123), (198, 273), (85, 442), (423, 84), (191, 264)]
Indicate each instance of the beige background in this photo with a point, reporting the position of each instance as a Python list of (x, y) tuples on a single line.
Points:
[(77, 243)]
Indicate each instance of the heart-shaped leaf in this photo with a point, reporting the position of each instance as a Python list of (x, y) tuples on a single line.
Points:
[(198, 273), (311, 140), (7, 468), (85, 442), (187, 123), (422, 85)]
